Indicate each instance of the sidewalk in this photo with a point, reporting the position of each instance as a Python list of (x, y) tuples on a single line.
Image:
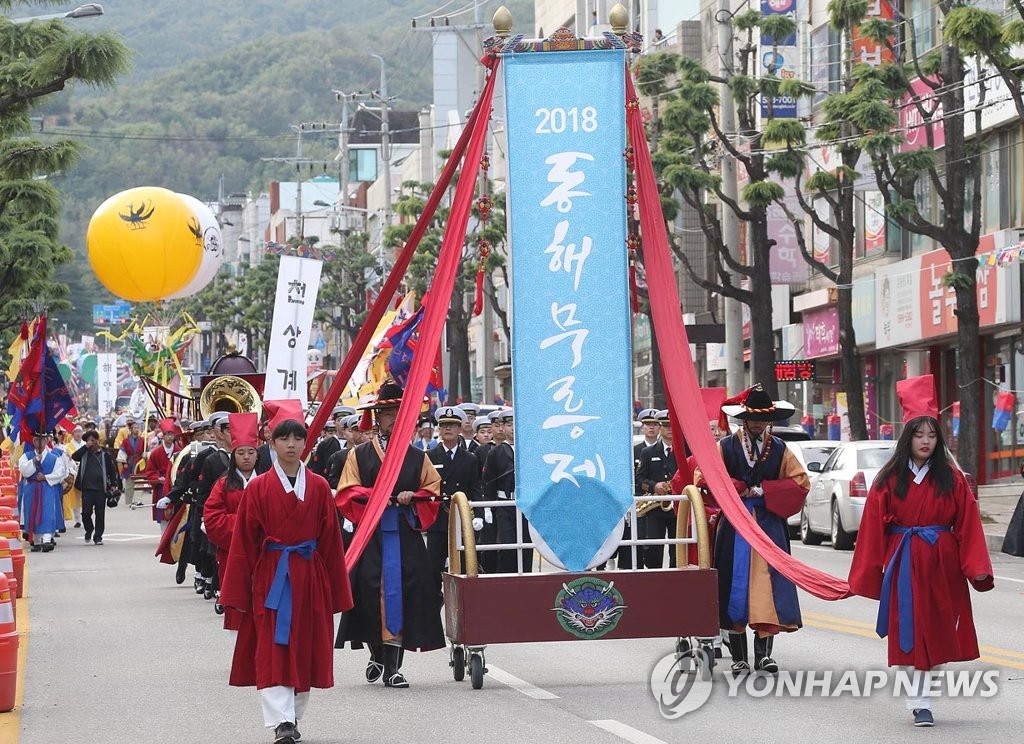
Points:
[(997, 503)]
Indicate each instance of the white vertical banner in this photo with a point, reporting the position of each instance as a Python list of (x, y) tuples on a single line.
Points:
[(298, 281), (106, 383)]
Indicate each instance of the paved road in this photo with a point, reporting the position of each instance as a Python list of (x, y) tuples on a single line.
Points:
[(118, 653)]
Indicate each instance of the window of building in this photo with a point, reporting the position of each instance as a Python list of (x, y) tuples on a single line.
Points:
[(1013, 155), (923, 16)]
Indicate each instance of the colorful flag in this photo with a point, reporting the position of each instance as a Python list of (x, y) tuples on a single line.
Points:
[(39, 399), (1004, 410)]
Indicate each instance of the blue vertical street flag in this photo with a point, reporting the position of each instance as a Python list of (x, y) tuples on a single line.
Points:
[(571, 358)]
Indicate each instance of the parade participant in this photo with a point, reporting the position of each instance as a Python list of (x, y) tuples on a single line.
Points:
[(159, 464), (40, 493), (472, 410), (489, 534), (331, 442), (130, 453), (920, 544), (177, 496), (481, 433), (772, 484), (352, 438), (499, 482), (459, 472), (211, 464), (654, 478), (72, 496), (286, 576), (222, 506), (648, 418), (396, 606), (97, 478), (123, 433), (424, 435)]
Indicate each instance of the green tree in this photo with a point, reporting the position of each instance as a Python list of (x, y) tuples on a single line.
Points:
[(343, 284), (690, 142), (954, 173), (37, 60)]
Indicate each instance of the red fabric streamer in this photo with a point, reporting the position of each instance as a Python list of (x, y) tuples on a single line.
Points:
[(681, 379), (430, 330), (478, 304), (394, 280)]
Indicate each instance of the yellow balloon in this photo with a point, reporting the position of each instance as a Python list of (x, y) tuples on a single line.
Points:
[(144, 243)]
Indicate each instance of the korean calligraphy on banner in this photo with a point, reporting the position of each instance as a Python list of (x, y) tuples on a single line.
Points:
[(298, 282), (106, 383), (571, 357)]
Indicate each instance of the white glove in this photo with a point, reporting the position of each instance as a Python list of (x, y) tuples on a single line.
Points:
[(478, 524), (202, 526), (348, 526), (163, 503), (488, 515), (756, 491)]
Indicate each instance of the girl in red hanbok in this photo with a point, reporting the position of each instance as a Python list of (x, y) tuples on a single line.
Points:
[(286, 574), (920, 544), (222, 506)]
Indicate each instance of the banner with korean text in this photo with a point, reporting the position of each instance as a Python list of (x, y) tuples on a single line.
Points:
[(298, 281), (571, 359), (106, 383)]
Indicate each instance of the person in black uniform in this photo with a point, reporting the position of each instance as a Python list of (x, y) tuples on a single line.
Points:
[(648, 419), (499, 481), (333, 441), (391, 621), (489, 534), (459, 472), (210, 465), (653, 478), (472, 410), (178, 494)]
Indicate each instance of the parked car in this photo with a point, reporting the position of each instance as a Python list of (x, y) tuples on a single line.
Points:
[(835, 503), (812, 454)]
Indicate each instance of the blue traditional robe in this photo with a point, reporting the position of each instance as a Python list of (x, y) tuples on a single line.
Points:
[(40, 501)]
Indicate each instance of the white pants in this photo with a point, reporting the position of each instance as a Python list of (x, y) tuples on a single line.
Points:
[(281, 704), (922, 700)]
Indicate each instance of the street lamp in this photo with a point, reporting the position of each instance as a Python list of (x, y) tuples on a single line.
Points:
[(82, 11)]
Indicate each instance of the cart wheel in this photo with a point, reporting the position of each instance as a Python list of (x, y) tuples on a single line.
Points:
[(476, 671), (458, 663)]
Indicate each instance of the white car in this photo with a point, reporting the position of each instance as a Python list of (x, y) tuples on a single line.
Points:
[(812, 454), (835, 504)]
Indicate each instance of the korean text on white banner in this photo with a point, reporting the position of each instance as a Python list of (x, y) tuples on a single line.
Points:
[(571, 359), (298, 281), (106, 383)]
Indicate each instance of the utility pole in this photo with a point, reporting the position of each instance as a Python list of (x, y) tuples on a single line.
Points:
[(734, 370), (385, 143), (298, 161)]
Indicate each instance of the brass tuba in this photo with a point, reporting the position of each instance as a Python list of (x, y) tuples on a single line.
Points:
[(229, 393)]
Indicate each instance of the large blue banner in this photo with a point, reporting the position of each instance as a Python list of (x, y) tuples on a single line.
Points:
[(571, 363)]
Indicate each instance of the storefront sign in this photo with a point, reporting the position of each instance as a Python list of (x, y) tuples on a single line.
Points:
[(821, 332), (898, 320), (794, 369), (912, 121), (863, 307)]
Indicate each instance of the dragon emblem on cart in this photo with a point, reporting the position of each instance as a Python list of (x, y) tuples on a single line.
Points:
[(589, 607)]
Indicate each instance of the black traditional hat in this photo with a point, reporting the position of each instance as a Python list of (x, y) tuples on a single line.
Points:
[(754, 404), (388, 396)]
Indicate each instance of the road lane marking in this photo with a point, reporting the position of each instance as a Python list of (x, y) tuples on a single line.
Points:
[(628, 733), (1007, 578), (127, 537), (520, 684), (990, 654)]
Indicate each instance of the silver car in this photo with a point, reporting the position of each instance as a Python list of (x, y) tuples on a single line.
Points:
[(835, 503), (812, 454)]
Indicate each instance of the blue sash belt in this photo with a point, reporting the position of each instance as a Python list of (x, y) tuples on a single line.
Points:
[(280, 595), (391, 559), (904, 587), (740, 589)]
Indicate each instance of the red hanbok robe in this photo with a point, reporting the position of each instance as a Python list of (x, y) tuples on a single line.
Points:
[(943, 622), (158, 465), (219, 515), (319, 586)]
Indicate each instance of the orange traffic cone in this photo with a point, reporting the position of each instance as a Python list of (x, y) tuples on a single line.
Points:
[(8, 648), (7, 569)]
